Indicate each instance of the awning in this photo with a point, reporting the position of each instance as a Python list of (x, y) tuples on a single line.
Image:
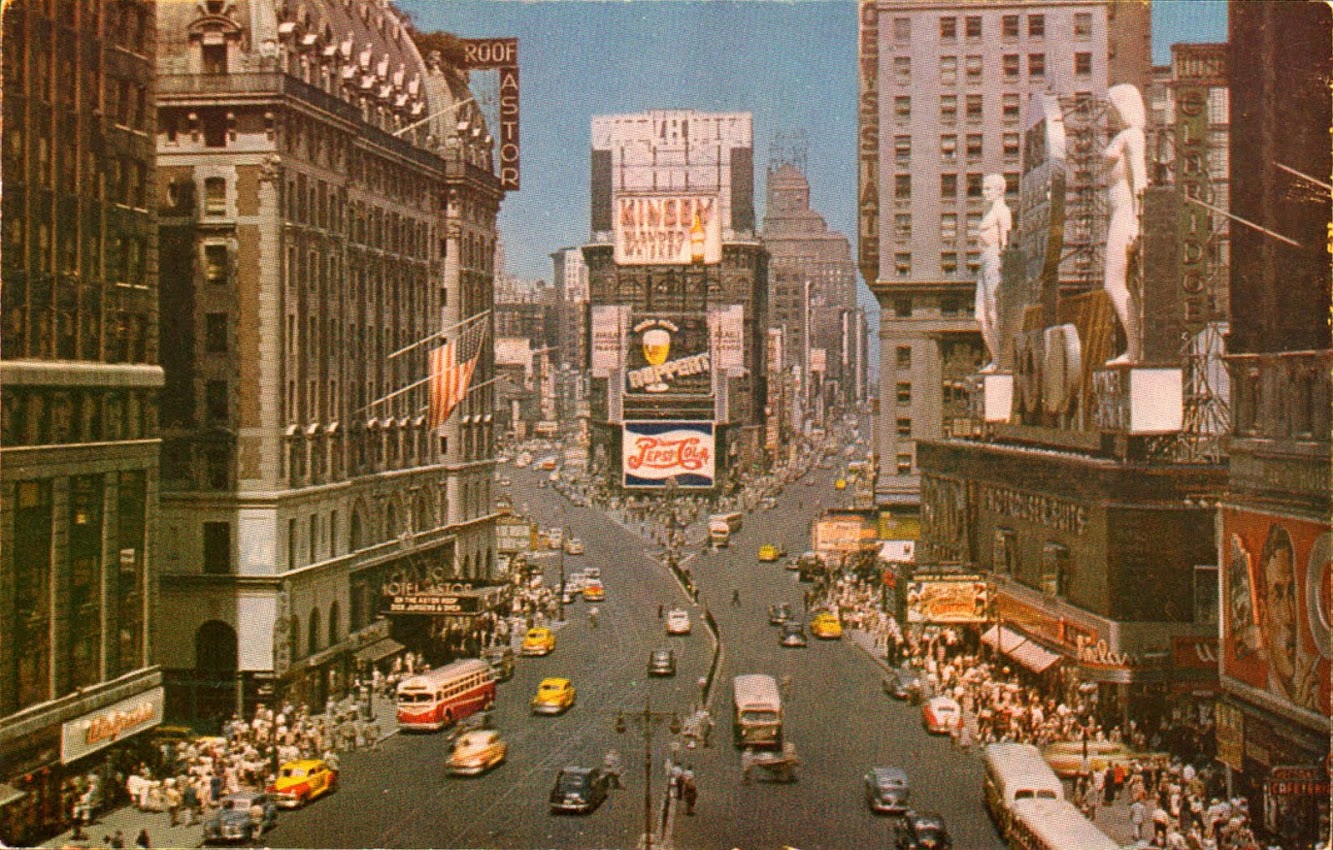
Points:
[(379, 650), (1017, 646), (10, 794)]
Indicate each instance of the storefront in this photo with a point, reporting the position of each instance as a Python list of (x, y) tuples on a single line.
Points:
[(446, 620)]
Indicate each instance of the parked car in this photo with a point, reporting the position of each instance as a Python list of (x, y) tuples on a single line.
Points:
[(501, 659), (231, 822), (476, 752), (779, 614), (940, 715), (793, 633), (887, 789), (578, 789), (662, 662), (301, 781), (678, 622), (923, 831)]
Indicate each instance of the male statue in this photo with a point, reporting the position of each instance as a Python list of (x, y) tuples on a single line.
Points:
[(1128, 177), (993, 234)]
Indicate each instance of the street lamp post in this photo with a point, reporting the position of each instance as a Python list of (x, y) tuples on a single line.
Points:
[(646, 720)]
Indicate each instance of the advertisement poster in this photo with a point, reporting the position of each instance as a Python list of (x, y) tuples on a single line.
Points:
[(608, 338), (1277, 608), (658, 230), (652, 452), (668, 354), (947, 598)]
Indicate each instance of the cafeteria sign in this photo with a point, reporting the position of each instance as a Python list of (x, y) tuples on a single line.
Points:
[(106, 726)]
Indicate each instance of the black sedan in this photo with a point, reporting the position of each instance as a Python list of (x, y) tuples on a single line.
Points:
[(662, 662), (578, 789), (793, 633), (232, 821), (923, 831)]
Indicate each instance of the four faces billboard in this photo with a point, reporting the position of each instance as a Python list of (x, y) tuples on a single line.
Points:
[(667, 229), (1277, 608), (652, 452)]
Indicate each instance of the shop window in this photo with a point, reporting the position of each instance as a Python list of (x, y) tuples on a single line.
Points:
[(217, 548)]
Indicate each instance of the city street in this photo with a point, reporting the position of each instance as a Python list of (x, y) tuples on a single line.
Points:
[(838, 718)]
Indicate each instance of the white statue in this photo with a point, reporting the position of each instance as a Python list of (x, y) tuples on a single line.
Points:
[(993, 234), (1125, 158)]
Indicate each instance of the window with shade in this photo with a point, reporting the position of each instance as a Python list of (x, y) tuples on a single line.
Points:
[(83, 661)]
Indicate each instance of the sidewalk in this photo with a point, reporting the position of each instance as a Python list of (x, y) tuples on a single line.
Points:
[(1112, 820), (161, 833)]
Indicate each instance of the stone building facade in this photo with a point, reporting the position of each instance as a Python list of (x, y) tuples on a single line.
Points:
[(327, 198)]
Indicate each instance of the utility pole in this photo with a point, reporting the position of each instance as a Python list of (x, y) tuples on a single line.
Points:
[(646, 720)]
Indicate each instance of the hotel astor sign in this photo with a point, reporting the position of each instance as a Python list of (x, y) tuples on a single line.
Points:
[(501, 54)]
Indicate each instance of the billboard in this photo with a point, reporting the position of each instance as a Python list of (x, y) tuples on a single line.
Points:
[(843, 534), (669, 354), (667, 229), (609, 323), (726, 329), (947, 598), (501, 54), (652, 452), (1277, 609)]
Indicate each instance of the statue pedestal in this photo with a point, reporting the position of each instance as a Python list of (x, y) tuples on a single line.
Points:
[(997, 396), (1138, 399)]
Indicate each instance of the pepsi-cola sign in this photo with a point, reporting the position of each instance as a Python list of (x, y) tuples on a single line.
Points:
[(652, 452)]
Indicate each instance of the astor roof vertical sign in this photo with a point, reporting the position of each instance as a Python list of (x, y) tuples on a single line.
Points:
[(501, 54), (868, 142)]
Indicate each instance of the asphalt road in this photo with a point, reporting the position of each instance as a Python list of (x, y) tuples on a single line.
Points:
[(837, 716)]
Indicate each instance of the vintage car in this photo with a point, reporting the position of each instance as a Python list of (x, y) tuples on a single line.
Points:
[(476, 752), (554, 696), (940, 715), (578, 789), (301, 781), (232, 821), (887, 789), (538, 641), (678, 622), (1072, 758), (825, 625)]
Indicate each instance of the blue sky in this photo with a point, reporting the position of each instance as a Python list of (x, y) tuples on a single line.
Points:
[(793, 64)]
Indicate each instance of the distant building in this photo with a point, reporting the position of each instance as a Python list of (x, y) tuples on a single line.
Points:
[(79, 443), (948, 87), (678, 292), (571, 285), (328, 197)]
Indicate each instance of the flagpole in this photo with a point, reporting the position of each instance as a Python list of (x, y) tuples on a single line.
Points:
[(470, 389), (395, 393), (439, 334)]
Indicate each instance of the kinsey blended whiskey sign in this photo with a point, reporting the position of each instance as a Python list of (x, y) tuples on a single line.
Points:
[(669, 355), (652, 452), (667, 230)]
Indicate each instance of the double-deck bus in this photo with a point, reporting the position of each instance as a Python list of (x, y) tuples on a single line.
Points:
[(1016, 772), (442, 697), (756, 716), (1041, 824)]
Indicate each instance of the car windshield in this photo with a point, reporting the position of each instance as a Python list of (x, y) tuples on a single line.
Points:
[(891, 782), (552, 687), (293, 772), (573, 781), (759, 716)]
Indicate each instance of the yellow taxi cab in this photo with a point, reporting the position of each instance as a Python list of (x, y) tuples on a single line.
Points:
[(476, 752), (594, 592), (554, 696), (825, 625), (538, 641), (301, 781), (768, 553), (840, 484)]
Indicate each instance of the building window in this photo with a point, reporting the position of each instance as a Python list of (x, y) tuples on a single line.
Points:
[(215, 196), (218, 469), (902, 69), (1009, 27), (903, 355), (217, 548), (291, 544), (333, 533), (1036, 26), (948, 29), (902, 307), (215, 402), (902, 109), (215, 333), (1082, 25), (949, 148), (215, 127), (131, 577), (950, 307), (973, 27), (905, 428), (904, 391), (948, 226), (1009, 108), (949, 263), (904, 465), (902, 187), (902, 264), (1056, 570), (973, 263), (974, 107), (312, 539), (948, 70), (1011, 65), (215, 263), (1011, 184), (948, 108), (902, 226), (1205, 595), (215, 58), (902, 150), (1037, 66), (902, 30), (1004, 551), (948, 186), (972, 67), (1082, 64), (974, 146), (1010, 141), (974, 185)]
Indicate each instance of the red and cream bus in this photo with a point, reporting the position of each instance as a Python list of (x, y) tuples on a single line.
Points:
[(442, 697)]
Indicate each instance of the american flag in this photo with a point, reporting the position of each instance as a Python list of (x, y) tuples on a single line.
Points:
[(451, 368)]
